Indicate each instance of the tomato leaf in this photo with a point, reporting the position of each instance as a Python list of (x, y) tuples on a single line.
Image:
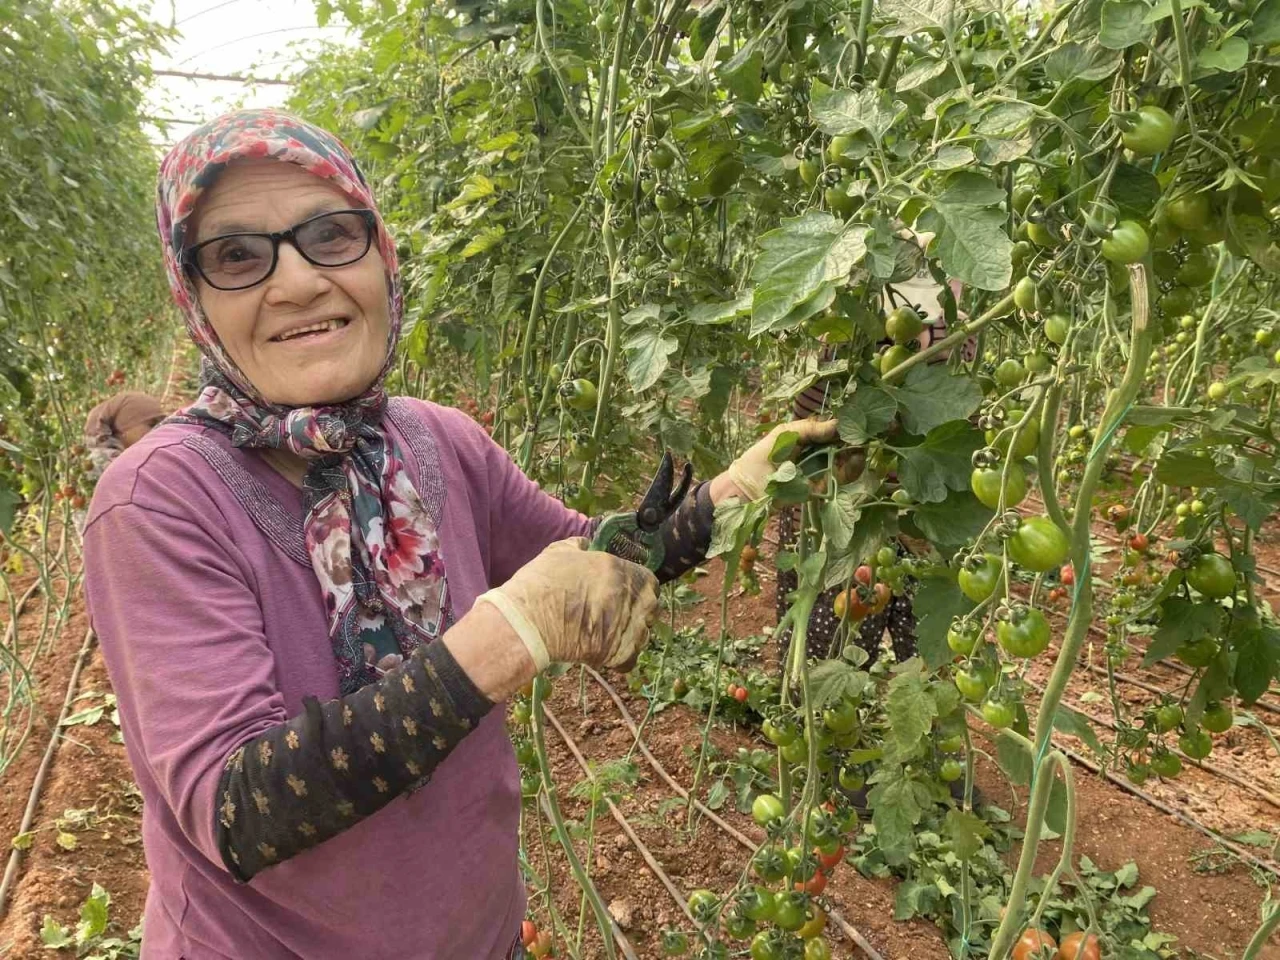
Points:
[(9, 501), (648, 352), (1014, 758), (704, 30), (896, 809), (965, 832), (1181, 621), (93, 915), (915, 898), (1135, 192), (1181, 468), (832, 680), (1123, 24), (866, 415), (937, 601), (1258, 661), (1074, 61), (840, 516), (1076, 725), (940, 463), (910, 711), (931, 396), (54, 935), (1266, 24), (952, 523), (742, 73), (799, 258), (915, 16), (920, 72), (1228, 57), (846, 111), (969, 229)]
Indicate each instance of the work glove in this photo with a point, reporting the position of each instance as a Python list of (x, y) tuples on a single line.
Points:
[(751, 471), (574, 605)]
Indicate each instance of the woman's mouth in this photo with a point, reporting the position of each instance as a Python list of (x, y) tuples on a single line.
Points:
[(312, 330)]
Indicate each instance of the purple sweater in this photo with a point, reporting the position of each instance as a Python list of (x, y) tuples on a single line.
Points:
[(213, 629)]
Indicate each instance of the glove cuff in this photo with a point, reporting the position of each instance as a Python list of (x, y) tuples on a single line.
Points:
[(525, 630), (749, 488)]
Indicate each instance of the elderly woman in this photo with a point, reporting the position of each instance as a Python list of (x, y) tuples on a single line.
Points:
[(341, 586)]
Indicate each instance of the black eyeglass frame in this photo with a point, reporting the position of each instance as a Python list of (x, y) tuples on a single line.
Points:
[(191, 264)]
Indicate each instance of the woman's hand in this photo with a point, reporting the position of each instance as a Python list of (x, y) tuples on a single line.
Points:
[(573, 605), (747, 476)]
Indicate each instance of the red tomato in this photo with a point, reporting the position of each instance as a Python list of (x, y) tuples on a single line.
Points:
[(1068, 575), (1139, 542), (1034, 945), (829, 861), (1079, 946), (814, 885), (863, 575), (740, 694), (528, 933)]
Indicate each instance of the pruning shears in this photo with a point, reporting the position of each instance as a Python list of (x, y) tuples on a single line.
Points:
[(635, 535)]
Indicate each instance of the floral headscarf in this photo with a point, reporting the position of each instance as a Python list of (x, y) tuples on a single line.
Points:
[(372, 543)]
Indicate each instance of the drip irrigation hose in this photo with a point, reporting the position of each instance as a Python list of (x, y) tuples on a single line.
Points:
[(33, 799)]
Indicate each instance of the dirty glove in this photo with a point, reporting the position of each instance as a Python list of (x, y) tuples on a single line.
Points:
[(751, 471), (573, 605)]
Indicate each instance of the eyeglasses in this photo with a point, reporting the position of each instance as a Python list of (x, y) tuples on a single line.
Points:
[(236, 261)]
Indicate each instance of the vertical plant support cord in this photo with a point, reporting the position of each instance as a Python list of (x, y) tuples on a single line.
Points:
[(530, 332), (46, 762), (613, 332), (1044, 455), (603, 920), (1082, 607), (541, 31), (729, 576), (864, 24)]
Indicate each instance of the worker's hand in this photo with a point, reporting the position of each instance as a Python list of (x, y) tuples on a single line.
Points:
[(574, 605), (748, 475)]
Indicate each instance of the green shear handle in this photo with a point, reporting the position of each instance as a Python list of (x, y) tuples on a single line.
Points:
[(636, 536)]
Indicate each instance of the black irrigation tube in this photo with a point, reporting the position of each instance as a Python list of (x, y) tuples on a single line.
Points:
[(1177, 814), (1210, 768), (33, 798), (846, 928)]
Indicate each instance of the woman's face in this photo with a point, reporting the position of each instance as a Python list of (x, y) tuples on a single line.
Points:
[(258, 326)]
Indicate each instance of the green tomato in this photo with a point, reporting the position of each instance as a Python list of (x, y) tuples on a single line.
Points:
[(769, 864), (795, 752), (756, 902), (1166, 764), (1212, 574), (851, 778), (979, 575), (1198, 653), (951, 770), (1037, 362), (951, 744), (1197, 269), (903, 325), (703, 904), (674, 943), (1024, 295), (780, 732), (766, 808), (1039, 545), (1217, 718), (1137, 773), (789, 910), (1151, 133), (1056, 328), (816, 948), (999, 713), (1128, 243), (768, 945), (985, 482), (1041, 235), (892, 357), (1190, 211), (1217, 391), (1168, 717), (841, 717), (1010, 373), (1196, 744), (1026, 634), (972, 684), (737, 924), (809, 171), (1023, 194), (579, 394), (1177, 300), (962, 638), (1027, 439)]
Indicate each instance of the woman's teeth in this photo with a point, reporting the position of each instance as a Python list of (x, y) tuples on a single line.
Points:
[(324, 326)]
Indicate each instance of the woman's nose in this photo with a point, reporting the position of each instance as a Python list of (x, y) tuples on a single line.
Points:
[(294, 280)]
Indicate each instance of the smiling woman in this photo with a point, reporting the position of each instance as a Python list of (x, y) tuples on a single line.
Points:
[(341, 587)]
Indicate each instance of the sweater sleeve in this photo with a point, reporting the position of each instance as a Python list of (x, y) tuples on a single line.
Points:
[(203, 714)]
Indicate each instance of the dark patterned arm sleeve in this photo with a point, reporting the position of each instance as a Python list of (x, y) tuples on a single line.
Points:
[(308, 779)]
